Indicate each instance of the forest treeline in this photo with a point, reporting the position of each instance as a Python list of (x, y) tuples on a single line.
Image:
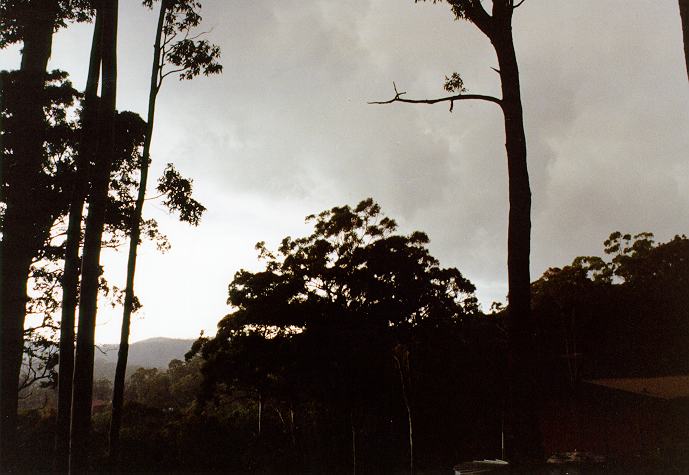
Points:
[(352, 350)]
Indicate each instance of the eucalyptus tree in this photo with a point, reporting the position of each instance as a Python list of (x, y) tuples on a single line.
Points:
[(63, 115), (174, 52), (497, 27), (39, 355), (70, 275), (61, 173), (31, 22), (90, 271), (328, 314)]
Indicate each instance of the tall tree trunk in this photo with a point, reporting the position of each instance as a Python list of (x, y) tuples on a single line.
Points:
[(70, 276), (527, 441), (123, 352), (353, 428), (526, 435), (260, 412), (90, 271), (292, 432), (684, 13), (402, 361), (21, 231)]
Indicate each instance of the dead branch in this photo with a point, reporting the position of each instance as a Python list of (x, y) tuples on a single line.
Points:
[(451, 99)]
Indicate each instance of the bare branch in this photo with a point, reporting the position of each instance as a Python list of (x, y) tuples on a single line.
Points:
[(30, 330), (59, 234), (172, 71), (451, 99), (168, 38), (111, 245), (33, 374), (155, 197), (203, 33), (25, 383), (518, 4)]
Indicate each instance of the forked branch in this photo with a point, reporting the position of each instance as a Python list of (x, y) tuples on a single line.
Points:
[(451, 99)]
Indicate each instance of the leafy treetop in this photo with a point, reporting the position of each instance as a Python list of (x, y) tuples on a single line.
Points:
[(322, 320), (184, 52), (354, 266), (178, 195), (15, 15), (620, 315)]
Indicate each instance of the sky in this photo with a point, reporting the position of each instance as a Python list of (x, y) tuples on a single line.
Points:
[(286, 131)]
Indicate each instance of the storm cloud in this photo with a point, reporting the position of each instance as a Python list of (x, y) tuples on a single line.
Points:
[(286, 131)]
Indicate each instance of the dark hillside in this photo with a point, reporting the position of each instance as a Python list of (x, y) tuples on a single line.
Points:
[(151, 353)]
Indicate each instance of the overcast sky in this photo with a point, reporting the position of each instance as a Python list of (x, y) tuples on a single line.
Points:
[(285, 131)]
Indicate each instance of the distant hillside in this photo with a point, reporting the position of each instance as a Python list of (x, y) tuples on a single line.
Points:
[(151, 353)]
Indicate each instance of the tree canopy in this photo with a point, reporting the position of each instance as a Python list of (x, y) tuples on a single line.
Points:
[(329, 315), (16, 16), (624, 314), (353, 266)]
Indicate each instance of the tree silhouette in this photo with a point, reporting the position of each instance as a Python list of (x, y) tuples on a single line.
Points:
[(83, 361), (31, 22), (64, 119), (189, 57), (61, 174), (322, 321), (18, 228), (70, 276), (63, 170), (51, 190), (622, 315), (129, 136), (526, 443), (401, 356)]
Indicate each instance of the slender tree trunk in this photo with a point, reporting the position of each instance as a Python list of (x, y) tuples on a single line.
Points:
[(123, 352), (70, 276), (527, 441), (21, 231), (291, 426), (353, 428), (411, 439), (402, 361), (260, 412), (684, 13), (90, 272)]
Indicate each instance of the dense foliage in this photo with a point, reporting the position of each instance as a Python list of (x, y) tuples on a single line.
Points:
[(302, 388), (356, 331), (626, 315)]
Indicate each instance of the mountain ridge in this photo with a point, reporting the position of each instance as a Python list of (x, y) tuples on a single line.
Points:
[(156, 352)]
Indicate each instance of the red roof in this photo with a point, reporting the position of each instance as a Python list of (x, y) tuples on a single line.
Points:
[(664, 387)]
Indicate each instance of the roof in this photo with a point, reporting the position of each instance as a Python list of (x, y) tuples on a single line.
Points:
[(664, 387)]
